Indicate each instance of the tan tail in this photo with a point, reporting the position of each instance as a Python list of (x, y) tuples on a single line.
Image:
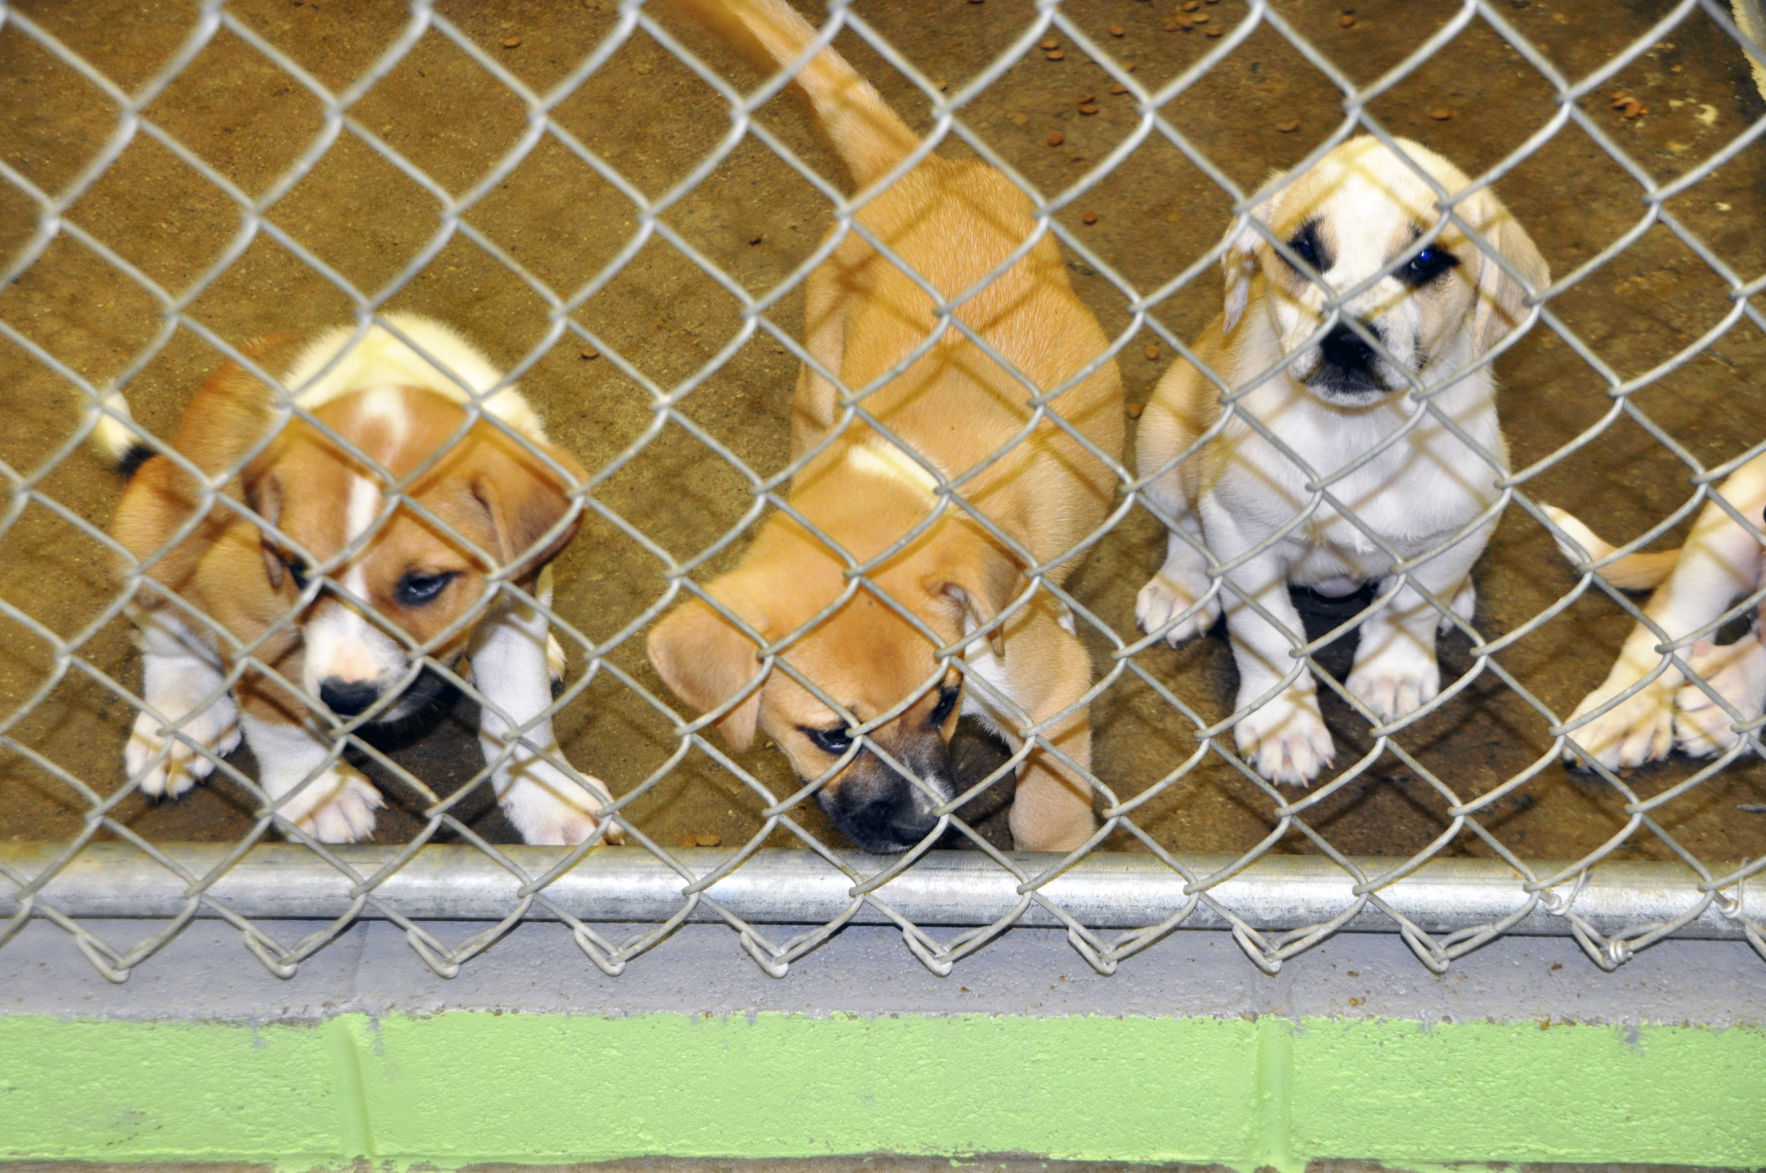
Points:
[(1634, 572), (868, 136)]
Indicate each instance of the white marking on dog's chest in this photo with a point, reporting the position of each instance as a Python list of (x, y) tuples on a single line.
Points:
[(1329, 528), (980, 662), (1414, 489)]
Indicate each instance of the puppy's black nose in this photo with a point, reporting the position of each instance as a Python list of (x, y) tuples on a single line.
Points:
[(883, 811), (886, 824), (1346, 350), (346, 698)]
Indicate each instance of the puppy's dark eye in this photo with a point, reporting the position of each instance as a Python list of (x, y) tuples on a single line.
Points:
[(417, 590), (1307, 247), (830, 741), (1428, 264), (947, 703), (297, 571)]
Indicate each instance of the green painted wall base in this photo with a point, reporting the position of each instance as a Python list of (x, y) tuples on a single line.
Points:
[(465, 1087)]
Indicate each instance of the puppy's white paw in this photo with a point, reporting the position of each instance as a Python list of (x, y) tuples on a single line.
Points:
[(1637, 731), (336, 807), (1464, 604), (1737, 673), (1168, 595), (1395, 683), (548, 806), (215, 728), (1286, 740)]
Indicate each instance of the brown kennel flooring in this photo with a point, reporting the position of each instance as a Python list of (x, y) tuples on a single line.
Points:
[(1263, 107)]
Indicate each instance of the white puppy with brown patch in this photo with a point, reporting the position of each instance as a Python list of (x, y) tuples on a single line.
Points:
[(1327, 470), (1721, 561), (331, 555)]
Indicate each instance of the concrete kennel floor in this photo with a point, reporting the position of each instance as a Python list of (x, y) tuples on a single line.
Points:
[(650, 118)]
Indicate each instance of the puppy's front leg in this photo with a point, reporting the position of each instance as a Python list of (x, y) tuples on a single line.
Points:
[(546, 804), (299, 768), (1051, 810), (1183, 580), (1720, 561), (183, 686), (1044, 679), (1284, 738), (1396, 671)]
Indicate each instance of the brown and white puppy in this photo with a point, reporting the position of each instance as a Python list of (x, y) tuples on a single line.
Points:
[(1414, 315), (305, 593), (947, 610), (1695, 586)]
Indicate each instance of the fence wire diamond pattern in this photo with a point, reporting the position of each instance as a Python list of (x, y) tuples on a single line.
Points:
[(790, 884)]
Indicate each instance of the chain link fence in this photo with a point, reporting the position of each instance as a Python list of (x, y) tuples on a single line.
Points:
[(562, 185)]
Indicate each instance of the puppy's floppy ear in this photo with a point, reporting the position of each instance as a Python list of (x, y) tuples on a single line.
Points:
[(707, 660), (1502, 299), (1239, 262), (263, 493), (978, 579), (525, 500)]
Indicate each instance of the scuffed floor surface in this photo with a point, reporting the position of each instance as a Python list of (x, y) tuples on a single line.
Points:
[(1148, 219)]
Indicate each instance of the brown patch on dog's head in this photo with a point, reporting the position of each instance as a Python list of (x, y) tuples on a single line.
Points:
[(864, 656)]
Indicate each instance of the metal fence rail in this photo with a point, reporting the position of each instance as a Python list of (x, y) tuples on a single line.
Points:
[(620, 902)]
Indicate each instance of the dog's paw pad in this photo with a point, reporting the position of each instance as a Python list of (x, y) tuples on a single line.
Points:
[(343, 807), (171, 765), (1166, 597), (1286, 740)]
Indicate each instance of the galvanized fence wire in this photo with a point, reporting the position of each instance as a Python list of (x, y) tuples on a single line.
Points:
[(202, 880)]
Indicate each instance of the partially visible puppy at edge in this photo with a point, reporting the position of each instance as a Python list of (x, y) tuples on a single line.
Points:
[(325, 595), (1021, 665), (1694, 586), (1358, 219)]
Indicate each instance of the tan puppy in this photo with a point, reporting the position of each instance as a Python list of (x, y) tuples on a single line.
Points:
[(948, 608), (1340, 393), (1720, 562), (302, 597)]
